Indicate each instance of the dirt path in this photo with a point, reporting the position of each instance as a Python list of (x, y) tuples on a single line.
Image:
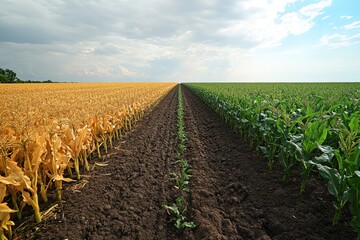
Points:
[(235, 196), (123, 200)]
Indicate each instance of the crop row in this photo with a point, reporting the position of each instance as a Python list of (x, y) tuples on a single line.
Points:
[(48, 133), (182, 176), (313, 126)]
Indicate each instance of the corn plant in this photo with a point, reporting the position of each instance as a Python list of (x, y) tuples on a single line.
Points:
[(354, 199), (315, 134), (179, 218)]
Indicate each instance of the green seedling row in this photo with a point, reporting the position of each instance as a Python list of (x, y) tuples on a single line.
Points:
[(181, 178)]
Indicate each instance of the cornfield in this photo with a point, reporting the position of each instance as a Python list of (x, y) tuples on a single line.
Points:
[(49, 131), (312, 126)]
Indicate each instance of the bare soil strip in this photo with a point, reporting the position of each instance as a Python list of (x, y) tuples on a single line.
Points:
[(235, 196)]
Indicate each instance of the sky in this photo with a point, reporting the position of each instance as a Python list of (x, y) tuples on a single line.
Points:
[(181, 41)]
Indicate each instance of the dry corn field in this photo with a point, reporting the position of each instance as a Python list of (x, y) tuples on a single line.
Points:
[(48, 130)]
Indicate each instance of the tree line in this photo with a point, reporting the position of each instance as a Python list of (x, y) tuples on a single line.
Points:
[(9, 76)]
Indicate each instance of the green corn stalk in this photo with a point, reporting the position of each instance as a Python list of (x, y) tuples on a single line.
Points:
[(179, 208)]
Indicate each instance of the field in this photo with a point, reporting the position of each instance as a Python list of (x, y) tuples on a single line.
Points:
[(47, 130), (238, 161)]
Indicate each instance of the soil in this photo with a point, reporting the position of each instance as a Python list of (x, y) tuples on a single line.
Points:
[(233, 194)]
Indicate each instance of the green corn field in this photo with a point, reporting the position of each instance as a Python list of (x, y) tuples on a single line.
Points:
[(313, 126)]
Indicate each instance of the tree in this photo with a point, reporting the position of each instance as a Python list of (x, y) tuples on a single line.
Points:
[(3, 77), (11, 75), (8, 76)]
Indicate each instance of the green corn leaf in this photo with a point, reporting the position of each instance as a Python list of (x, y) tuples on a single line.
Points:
[(328, 154), (340, 160), (263, 150), (172, 208), (324, 158), (325, 149), (178, 223), (244, 120), (322, 136), (297, 146), (354, 199), (189, 224), (354, 160), (333, 178), (308, 110), (354, 123)]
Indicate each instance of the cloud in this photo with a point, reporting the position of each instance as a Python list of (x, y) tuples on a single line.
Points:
[(123, 71), (339, 40), (270, 23), (315, 9), (158, 40), (353, 25), (215, 21), (347, 17)]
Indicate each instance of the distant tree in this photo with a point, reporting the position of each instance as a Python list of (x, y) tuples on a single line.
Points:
[(3, 77), (9, 76)]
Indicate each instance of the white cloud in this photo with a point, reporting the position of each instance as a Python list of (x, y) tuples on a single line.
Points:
[(294, 23), (270, 23), (123, 71), (326, 17), (339, 40), (87, 50), (315, 9), (353, 25), (347, 17)]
